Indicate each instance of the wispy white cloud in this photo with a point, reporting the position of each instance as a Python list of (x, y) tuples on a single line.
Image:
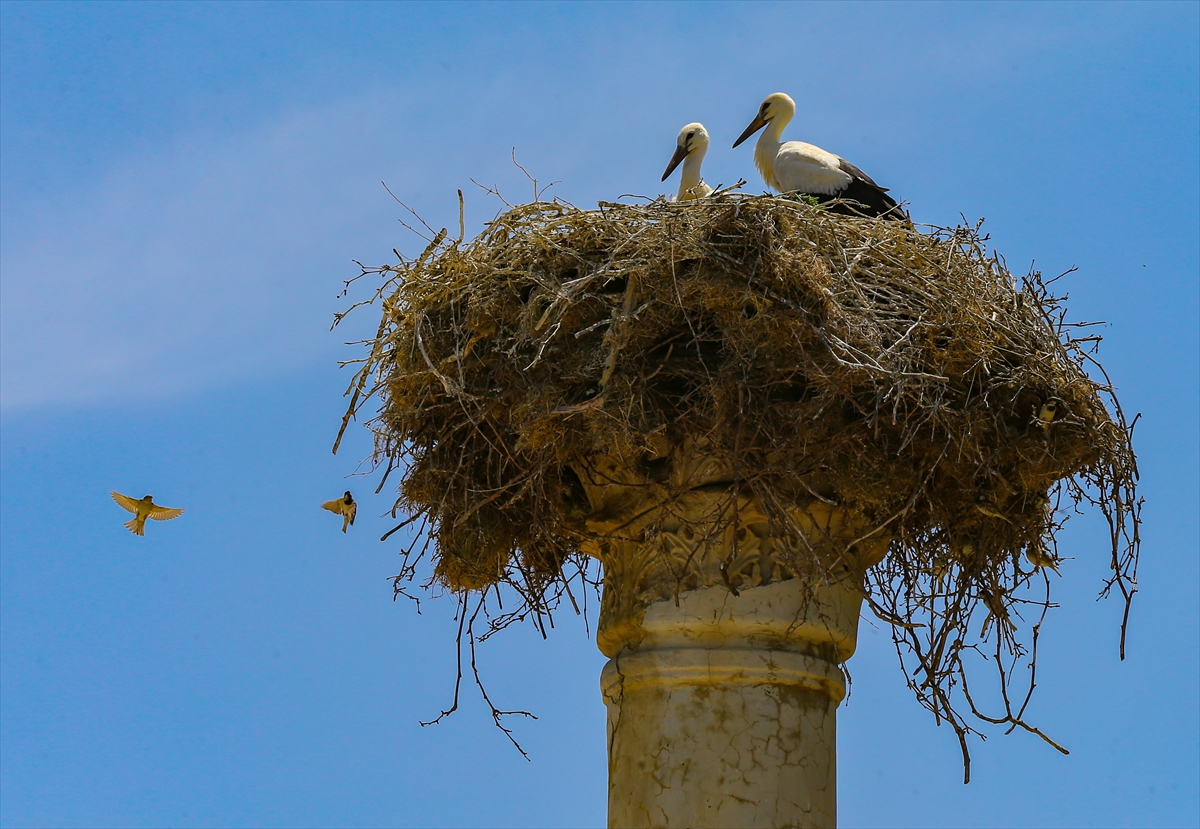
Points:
[(218, 258), (210, 261), (140, 285)]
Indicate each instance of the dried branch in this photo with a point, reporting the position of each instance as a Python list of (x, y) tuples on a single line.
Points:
[(904, 375)]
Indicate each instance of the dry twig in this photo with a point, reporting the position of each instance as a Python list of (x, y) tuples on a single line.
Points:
[(852, 361)]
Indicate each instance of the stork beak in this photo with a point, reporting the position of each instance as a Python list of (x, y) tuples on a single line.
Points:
[(680, 154), (757, 124)]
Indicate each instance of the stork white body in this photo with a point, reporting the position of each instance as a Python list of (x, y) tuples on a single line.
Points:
[(797, 167), (690, 147)]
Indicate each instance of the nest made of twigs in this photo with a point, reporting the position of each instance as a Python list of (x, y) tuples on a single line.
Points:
[(905, 375)]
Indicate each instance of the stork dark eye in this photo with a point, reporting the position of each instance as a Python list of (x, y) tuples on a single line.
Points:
[(690, 134)]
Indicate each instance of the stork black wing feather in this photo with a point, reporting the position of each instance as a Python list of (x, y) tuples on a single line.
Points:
[(862, 188), (847, 167)]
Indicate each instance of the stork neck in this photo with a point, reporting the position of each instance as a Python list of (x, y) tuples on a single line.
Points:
[(773, 131), (690, 176), (765, 151)]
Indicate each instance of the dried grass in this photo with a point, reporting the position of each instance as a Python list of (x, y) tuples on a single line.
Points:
[(855, 361)]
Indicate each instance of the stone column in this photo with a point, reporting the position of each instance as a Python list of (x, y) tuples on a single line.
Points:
[(723, 675)]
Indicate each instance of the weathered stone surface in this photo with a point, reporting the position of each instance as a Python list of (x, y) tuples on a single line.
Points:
[(724, 675), (724, 714)]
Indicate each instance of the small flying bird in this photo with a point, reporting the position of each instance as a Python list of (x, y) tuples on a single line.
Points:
[(690, 147), (797, 167), (344, 507), (142, 509)]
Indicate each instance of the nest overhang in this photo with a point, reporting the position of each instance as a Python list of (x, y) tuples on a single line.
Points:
[(900, 373), (863, 361)]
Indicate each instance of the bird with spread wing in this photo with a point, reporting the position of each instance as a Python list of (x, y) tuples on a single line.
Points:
[(344, 507), (143, 508)]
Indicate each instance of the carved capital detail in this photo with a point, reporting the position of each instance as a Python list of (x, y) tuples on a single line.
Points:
[(657, 542)]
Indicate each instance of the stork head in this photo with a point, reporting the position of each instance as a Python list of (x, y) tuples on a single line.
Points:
[(693, 139), (777, 106)]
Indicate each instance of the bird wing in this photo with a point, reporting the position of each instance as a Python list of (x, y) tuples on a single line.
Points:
[(351, 511), (125, 502), (854, 172), (333, 506), (809, 169), (163, 513), (865, 191)]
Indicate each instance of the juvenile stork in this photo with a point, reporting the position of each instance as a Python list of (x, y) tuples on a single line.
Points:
[(690, 147), (796, 167)]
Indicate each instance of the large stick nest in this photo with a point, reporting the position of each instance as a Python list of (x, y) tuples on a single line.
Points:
[(904, 375)]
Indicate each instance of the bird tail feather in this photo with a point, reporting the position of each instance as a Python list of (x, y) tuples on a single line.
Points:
[(136, 525)]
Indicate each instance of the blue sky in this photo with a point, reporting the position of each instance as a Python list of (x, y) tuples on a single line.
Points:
[(182, 190)]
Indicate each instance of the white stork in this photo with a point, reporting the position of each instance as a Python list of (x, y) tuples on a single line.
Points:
[(796, 167), (690, 147)]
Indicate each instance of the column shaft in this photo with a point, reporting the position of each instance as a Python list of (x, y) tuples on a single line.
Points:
[(724, 713)]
